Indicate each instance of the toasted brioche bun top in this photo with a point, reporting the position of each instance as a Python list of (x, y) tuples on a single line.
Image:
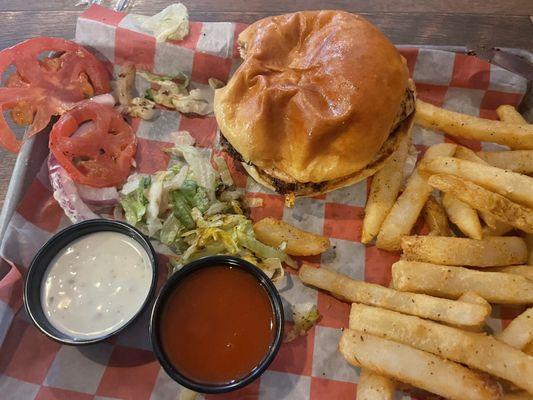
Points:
[(315, 97)]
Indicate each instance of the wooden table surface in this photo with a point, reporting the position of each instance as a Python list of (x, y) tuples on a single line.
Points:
[(506, 23)]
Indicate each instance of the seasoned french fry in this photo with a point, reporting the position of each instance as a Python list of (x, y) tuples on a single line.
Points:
[(508, 113), (519, 332), (516, 187), (274, 232), (386, 184), (453, 312), (520, 161), (462, 215), (469, 127), (488, 252), (528, 237), (481, 199), (373, 386), (436, 219), (416, 367), (521, 395), (408, 206), (476, 350), (498, 228), (529, 349), (453, 282), (474, 298), (523, 270), (464, 153)]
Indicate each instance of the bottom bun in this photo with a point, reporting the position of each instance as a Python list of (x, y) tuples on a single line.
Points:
[(312, 189)]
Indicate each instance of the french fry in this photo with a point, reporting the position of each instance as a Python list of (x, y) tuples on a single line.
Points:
[(416, 367), (476, 350), (523, 270), (372, 386), (464, 153), (529, 349), (516, 187), (474, 298), (462, 215), (408, 206), (453, 312), (492, 222), (520, 161), (470, 127), (508, 113), (512, 213), (528, 237), (274, 232), (519, 332), (488, 252), (386, 184), (499, 228), (517, 396), (453, 282), (436, 219)]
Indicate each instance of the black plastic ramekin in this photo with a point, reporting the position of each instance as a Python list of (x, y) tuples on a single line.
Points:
[(39, 264), (168, 289)]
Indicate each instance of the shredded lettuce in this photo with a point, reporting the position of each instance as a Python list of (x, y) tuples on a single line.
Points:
[(155, 194), (133, 182), (170, 230), (230, 234), (305, 316), (173, 93), (263, 250), (196, 102), (194, 211), (253, 202), (182, 209), (199, 160), (223, 170), (141, 108), (273, 268), (175, 178), (135, 202), (170, 23), (228, 195), (182, 137)]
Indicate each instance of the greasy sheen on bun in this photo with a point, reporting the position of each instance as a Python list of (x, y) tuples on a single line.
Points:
[(316, 103)]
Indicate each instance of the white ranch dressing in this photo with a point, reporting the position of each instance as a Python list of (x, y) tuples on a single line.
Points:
[(96, 284)]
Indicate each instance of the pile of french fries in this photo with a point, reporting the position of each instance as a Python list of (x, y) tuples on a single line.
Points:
[(428, 329)]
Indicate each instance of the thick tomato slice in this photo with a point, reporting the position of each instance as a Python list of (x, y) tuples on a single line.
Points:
[(42, 88), (94, 144)]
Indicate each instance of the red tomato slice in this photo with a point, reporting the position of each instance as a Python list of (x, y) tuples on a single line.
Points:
[(94, 144), (40, 89)]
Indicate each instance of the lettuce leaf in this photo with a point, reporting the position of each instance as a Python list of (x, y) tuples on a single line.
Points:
[(135, 203), (170, 23)]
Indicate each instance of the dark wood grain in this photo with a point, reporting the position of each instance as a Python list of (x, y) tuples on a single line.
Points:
[(495, 7), (452, 22)]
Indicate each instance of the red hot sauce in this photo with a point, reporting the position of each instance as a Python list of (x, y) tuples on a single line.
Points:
[(218, 325)]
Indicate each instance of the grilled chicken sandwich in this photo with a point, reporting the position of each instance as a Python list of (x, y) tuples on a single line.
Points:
[(319, 102)]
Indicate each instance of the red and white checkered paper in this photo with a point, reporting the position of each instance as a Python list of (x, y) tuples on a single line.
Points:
[(34, 367)]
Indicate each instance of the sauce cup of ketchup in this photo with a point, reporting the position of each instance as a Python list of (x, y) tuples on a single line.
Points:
[(217, 324)]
